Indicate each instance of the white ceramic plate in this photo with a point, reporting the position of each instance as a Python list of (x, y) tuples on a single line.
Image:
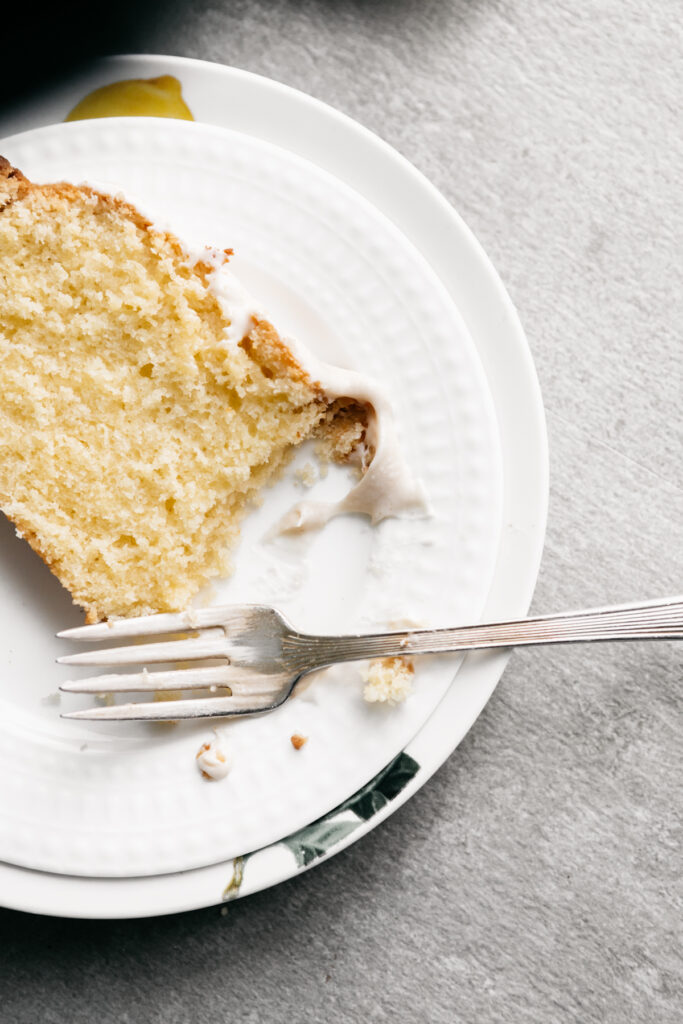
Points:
[(365, 161), (123, 799)]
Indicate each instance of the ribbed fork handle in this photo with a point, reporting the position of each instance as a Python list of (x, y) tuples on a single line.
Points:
[(656, 620)]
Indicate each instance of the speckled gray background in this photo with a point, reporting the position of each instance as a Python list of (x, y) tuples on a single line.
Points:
[(537, 876)]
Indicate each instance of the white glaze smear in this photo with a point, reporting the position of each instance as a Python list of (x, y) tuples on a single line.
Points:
[(387, 487), (234, 300)]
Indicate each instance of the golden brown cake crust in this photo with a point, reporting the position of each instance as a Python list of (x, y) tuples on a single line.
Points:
[(13, 184)]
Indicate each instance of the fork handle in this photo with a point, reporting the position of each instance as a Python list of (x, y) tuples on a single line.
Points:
[(654, 620)]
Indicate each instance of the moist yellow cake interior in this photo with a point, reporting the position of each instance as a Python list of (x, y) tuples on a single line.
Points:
[(132, 435)]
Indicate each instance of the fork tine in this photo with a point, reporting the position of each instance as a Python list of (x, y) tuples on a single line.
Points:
[(173, 711), (172, 650), (193, 619), (239, 680), (178, 679), (122, 629)]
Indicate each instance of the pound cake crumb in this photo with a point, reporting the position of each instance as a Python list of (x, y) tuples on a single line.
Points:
[(387, 680)]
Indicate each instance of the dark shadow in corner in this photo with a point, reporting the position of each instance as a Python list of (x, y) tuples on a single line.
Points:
[(37, 45)]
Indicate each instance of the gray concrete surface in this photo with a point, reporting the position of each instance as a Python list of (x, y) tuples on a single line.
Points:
[(537, 877)]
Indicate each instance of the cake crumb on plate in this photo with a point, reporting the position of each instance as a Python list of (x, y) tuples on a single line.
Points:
[(307, 475), (387, 680), (212, 760)]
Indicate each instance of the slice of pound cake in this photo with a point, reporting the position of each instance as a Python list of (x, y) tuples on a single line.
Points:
[(142, 403)]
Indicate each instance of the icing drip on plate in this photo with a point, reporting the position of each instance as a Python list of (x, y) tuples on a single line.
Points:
[(387, 487)]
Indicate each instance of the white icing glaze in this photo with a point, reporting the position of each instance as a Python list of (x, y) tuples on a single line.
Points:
[(212, 760), (387, 487), (235, 302)]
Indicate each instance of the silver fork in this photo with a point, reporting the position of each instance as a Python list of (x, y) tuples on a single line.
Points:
[(263, 657)]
